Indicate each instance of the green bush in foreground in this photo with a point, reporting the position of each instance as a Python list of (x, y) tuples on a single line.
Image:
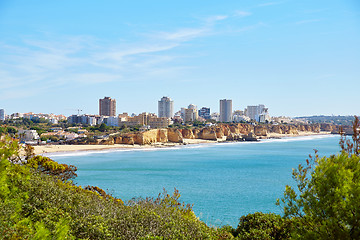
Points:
[(326, 203), (35, 205), (263, 226)]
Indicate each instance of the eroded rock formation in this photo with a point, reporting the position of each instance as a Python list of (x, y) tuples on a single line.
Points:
[(232, 132)]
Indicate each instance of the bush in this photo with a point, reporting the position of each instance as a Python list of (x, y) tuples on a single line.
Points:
[(326, 203), (263, 226), (38, 202)]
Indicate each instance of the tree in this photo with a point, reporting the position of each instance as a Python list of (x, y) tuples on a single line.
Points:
[(326, 203), (50, 167), (262, 226), (103, 127)]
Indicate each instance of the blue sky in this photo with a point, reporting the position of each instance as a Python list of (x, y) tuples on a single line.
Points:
[(296, 57)]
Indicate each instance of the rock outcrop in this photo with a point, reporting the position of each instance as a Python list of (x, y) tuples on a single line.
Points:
[(232, 132), (174, 135), (208, 134), (187, 133), (148, 137), (162, 135)]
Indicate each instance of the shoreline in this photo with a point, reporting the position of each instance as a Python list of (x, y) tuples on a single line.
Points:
[(50, 149)]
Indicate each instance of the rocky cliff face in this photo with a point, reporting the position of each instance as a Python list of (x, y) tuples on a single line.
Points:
[(162, 135), (232, 132), (174, 135), (208, 134), (148, 137), (187, 133)]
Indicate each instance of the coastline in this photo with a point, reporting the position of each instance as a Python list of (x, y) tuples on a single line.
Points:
[(49, 149)]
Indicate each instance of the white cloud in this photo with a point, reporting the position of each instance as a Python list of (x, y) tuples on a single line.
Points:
[(307, 21), (269, 4), (239, 13), (184, 34), (53, 62), (216, 18)]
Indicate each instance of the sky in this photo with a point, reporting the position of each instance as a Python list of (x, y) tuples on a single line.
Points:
[(298, 58)]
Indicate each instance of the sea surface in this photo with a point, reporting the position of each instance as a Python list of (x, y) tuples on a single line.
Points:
[(224, 181)]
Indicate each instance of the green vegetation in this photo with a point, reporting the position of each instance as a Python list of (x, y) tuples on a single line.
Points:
[(38, 200), (337, 120), (326, 203)]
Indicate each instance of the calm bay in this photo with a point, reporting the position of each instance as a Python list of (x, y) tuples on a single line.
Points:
[(224, 181)]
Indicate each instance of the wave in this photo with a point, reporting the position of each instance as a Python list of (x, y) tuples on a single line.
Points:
[(189, 146), (298, 138), (105, 151)]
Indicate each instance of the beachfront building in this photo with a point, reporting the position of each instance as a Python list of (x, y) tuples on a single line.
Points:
[(190, 114), (225, 110), (166, 107), (28, 136), (253, 112), (51, 118), (215, 116), (204, 112), (145, 119), (107, 107), (2, 115), (16, 115), (264, 116), (239, 116), (113, 121), (83, 119)]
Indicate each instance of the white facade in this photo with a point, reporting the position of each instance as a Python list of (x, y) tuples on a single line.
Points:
[(215, 116), (264, 116), (253, 112), (240, 118), (225, 110), (28, 135), (166, 107), (113, 121), (191, 114)]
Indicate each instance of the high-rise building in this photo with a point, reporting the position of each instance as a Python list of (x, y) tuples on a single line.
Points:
[(107, 107), (225, 110), (204, 112), (2, 115), (253, 112), (166, 107)]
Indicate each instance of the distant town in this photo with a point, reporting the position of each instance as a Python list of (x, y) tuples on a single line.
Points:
[(108, 119)]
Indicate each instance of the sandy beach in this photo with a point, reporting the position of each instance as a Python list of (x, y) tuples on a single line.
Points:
[(301, 134), (44, 149)]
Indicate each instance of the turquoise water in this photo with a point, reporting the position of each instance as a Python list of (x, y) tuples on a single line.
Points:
[(223, 181)]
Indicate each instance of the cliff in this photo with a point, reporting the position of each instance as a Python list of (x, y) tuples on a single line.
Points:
[(230, 132)]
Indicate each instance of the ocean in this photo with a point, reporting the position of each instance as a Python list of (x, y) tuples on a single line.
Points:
[(223, 181)]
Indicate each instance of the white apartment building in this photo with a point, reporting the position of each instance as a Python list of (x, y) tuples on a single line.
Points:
[(215, 116), (166, 107), (28, 135), (253, 112)]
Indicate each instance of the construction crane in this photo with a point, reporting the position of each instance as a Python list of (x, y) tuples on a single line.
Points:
[(78, 110)]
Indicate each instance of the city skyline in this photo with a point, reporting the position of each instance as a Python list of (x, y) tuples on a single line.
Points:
[(297, 58)]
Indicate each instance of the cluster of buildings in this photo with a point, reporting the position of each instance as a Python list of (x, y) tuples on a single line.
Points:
[(165, 117), (107, 115), (190, 114), (52, 118)]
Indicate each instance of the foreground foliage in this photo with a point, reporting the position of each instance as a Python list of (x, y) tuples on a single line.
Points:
[(326, 203), (35, 205)]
